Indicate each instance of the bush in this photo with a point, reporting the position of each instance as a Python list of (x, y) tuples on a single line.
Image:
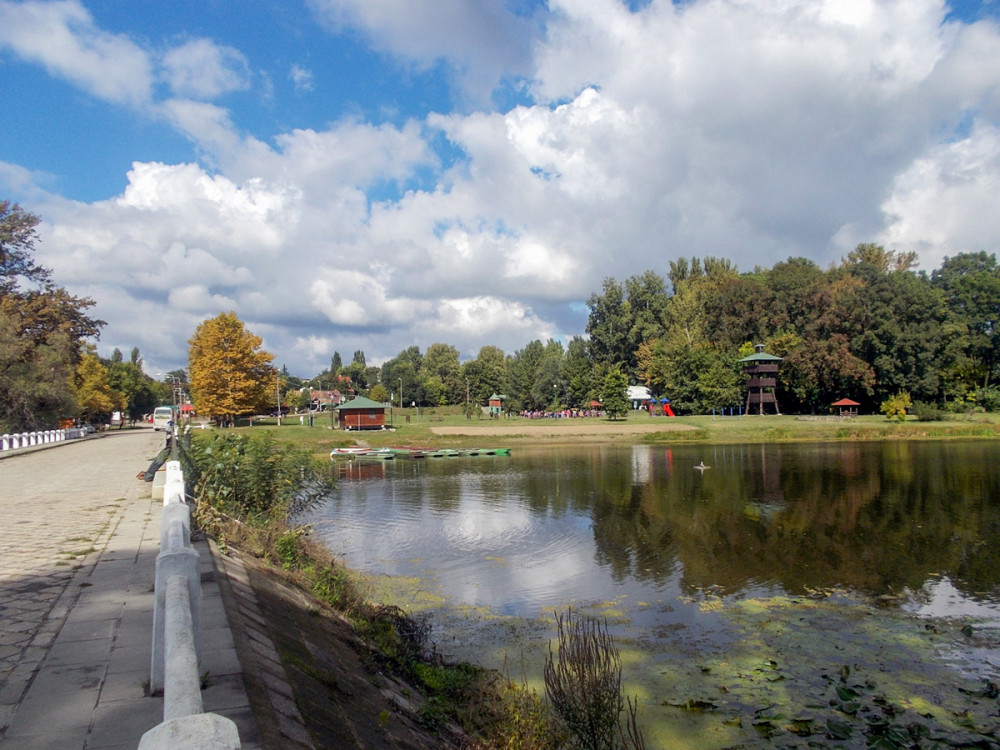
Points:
[(896, 406), (925, 412), (253, 479), (989, 398)]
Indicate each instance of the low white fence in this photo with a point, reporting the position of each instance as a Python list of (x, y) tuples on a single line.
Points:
[(10, 442), (177, 636)]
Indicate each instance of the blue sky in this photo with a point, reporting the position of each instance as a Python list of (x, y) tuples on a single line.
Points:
[(374, 174)]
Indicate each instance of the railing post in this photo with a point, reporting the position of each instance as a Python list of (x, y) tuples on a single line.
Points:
[(182, 686), (181, 561)]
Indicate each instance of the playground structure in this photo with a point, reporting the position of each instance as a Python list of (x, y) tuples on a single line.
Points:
[(662, 406)]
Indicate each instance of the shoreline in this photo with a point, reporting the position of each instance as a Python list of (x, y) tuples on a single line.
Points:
[(440, 428)]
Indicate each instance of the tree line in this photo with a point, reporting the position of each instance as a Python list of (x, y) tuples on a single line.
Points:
[(870, 328)]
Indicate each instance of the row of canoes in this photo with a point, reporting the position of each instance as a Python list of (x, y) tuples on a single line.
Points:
[(387, 454)]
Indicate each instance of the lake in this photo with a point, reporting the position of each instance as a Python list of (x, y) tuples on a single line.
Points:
[(739, 581)]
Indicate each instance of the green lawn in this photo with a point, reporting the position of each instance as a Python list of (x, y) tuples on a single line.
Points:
[(705, 429)]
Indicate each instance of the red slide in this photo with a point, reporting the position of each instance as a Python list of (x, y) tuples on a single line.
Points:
[(668, 410)]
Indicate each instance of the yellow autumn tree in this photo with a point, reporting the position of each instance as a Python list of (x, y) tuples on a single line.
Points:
[(94, 394), (228, 372)]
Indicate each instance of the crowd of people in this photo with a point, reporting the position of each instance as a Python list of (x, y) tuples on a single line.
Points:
[(561, 414)]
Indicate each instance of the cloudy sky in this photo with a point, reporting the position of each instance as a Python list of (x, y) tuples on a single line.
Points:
[(374, 174)]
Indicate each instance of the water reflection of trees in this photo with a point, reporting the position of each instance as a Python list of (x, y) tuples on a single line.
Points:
[(876, 518), (869, 517)]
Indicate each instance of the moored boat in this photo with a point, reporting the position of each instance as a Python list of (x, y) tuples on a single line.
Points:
[(408, 451), (383, 454)]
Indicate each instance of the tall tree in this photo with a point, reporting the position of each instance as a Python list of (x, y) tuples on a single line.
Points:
[(94, 393), (647, 311), (17, 243), (487, 374), (899, 318), (615, 393), (230, 374), (358, 371), (578, 373), (400, 375), (523, 370), (128, 379), (608, 324), (791, 285), (442, 373), (970, 283), (42, 331)]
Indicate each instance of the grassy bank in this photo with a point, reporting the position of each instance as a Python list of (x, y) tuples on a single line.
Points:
[(445, 427)]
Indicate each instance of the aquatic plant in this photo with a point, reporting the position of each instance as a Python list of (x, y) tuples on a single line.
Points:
[(583, 681)]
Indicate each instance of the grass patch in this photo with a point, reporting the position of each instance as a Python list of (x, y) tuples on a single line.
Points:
[(319, 440)]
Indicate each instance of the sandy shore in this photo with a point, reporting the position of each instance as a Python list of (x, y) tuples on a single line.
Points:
[(559, 428)]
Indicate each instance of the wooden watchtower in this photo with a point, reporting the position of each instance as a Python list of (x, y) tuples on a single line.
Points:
[(761, 370)]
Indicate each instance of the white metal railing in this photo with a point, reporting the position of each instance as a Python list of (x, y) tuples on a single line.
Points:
[(177, 635), (13, 441)]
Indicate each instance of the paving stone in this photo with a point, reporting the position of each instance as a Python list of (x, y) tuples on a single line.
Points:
[(76, 600)]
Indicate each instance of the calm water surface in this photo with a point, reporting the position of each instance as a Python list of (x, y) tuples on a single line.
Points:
[(643, 537), (544, 527)]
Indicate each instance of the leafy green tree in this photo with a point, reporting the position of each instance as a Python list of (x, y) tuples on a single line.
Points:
[(818, 372), (899, 325), (336, 364), (615, 394), (549, 388), (359, 372), (578, 374), (36, 370), (441, 366), (877, 257), (128, 379), (230, 374), (608, 324), (523, 370), (736, 310), (970, 283), (303, 400), (379, 393), (487, 374), (42, 331), (720, 383), (402, 372), (682, 270), (791, 286), (647, 309)]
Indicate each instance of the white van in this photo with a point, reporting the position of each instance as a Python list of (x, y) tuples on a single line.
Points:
[(162, 415)]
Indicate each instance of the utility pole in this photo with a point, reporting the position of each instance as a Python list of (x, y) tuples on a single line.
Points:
[(277, 390)]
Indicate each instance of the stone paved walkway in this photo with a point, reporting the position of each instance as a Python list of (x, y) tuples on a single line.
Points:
[(78, 544)]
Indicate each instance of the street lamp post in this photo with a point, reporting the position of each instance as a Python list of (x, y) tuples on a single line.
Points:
[(400, 392)]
